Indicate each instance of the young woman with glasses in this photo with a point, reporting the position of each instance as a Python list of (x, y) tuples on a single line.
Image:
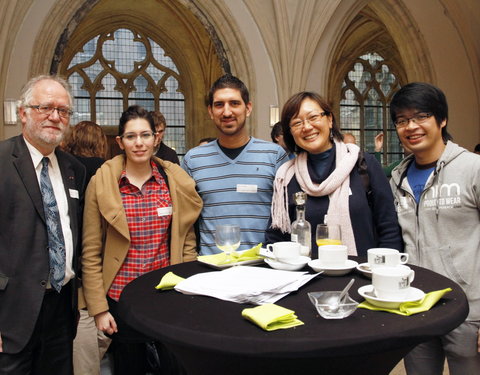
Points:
[(139, 216)]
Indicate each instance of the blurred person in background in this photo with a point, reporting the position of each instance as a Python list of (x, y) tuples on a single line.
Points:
[(205, 140), (88, 143), (162, 151), (349, 138), (378, 154), (277, 137)]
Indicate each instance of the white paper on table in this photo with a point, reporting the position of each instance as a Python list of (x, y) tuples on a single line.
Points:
[(245, 284)]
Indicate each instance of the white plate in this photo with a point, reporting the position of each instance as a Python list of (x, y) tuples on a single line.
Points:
[(223, 266), (317, 266), (364, 268), (300, 263), (366, 292)]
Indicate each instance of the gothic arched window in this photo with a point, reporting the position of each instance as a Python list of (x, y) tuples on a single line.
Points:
[(364, 106), (119, 68)]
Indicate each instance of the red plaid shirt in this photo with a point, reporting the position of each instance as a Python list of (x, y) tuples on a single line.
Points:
[(148, 214)]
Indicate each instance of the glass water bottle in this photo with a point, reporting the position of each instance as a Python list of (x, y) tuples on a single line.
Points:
[(301, 228)]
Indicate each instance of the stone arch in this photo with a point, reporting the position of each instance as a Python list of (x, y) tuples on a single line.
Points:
[(384, 27), (191, 34)]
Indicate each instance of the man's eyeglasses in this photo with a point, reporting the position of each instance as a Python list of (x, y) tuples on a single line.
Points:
[(418, 118), (132, 137), (48, 110), (313, 119)]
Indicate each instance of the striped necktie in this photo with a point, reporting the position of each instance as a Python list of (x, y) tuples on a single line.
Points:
[(56, 242)]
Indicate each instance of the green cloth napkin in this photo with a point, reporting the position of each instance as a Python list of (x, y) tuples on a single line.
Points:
[(169, 280), (271, 317), (222, 258), (410, 308)]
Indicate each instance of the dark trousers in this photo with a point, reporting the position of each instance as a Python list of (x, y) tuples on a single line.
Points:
[(49, 350), (136, 354)]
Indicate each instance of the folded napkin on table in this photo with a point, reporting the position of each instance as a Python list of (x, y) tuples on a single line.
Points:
[(410, 308), (245, 284), (271, 317), (169, 280), (234, 257)]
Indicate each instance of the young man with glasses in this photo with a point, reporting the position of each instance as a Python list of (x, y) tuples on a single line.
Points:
[(437, 195), (40, 220)]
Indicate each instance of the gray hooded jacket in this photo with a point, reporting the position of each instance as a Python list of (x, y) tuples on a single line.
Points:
[(442, 232)]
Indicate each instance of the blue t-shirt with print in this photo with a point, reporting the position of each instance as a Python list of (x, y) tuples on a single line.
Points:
[(417, 178)]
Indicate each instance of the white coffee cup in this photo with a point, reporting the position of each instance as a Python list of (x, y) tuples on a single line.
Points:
[(285, 251), (333, 255), (392, 282), (384, 257)]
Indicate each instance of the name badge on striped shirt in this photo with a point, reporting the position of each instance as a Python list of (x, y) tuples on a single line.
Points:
[(244, 188), (164, 211)]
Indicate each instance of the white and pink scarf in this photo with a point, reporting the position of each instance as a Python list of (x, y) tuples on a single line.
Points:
[(336, 186)]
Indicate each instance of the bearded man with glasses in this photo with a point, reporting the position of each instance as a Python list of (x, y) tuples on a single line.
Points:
[(437, 195), (40, 235)]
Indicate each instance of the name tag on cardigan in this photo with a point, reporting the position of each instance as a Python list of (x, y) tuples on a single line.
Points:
[(244, 188), (164, 211)]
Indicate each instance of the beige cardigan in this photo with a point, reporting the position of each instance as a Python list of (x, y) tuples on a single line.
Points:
[(106, 238)]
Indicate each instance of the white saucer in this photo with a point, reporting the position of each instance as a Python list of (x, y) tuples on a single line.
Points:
[(366, 292), (317, 266), (300, 262), (364, 268)]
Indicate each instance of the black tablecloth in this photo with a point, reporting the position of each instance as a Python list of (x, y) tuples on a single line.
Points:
[(209, 336)]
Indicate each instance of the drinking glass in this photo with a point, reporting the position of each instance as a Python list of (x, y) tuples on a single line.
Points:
[(328, 235), (227, 238)]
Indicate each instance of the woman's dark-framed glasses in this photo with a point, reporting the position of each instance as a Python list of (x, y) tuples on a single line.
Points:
[(132, 137), (313, 119)]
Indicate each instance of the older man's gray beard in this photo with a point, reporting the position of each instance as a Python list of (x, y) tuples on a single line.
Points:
[(42, 138)]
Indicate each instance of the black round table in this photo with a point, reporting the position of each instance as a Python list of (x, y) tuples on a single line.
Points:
[(209, 336)]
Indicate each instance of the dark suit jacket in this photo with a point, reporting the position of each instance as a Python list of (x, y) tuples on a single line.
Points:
[(24, 264)]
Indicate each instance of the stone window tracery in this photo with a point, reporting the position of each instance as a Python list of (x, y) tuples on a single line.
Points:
[(122, 67), (366, 92)]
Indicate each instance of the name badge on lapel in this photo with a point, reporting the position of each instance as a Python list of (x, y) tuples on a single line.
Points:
[(73, 193)]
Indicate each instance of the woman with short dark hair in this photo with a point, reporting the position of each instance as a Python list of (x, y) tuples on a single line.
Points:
[(327, 169)]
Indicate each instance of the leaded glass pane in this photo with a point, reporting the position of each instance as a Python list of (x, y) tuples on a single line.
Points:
[(93, 70), (86, 53), (364, 110), (82, 111), (76, 81), (364, 107), (124, 67)]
